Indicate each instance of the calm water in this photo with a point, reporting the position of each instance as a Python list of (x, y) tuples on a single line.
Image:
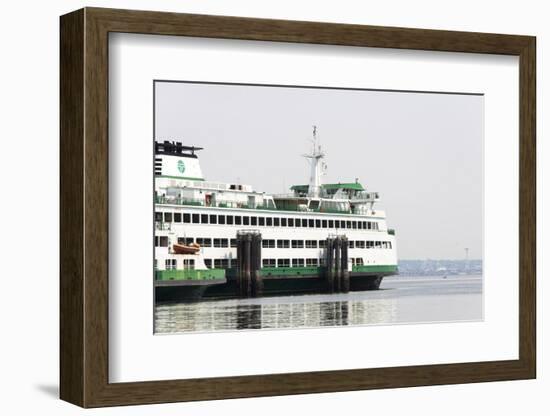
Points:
[(399, 300)]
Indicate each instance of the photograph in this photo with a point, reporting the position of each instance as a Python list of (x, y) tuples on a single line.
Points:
[(295, 206), (254, 205)]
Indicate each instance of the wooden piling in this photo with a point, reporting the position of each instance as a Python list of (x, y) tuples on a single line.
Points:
[(240, 264), (249, 261), (247, 251), (337, 263), (256, 264), (329, 265), (345, 278)]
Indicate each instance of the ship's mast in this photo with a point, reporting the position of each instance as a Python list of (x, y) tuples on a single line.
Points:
[(314, 159)]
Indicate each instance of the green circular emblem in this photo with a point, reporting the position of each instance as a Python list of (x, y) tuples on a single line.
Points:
[(181, 166)]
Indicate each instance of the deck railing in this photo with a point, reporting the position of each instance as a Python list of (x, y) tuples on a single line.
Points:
[(202, 203), (366, 196), (231, 204)]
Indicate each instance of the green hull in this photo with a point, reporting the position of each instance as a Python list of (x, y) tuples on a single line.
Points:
[(189, 274), (302, 271), (295, 272), (196, 285), (216, 274)]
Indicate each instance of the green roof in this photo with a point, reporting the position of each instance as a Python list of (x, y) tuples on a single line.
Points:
[(354, 186)]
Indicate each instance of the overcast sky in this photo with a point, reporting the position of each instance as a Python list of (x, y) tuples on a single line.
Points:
[(422, 151)]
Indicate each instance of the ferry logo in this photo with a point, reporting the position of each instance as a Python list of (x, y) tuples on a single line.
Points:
[(181, 166)]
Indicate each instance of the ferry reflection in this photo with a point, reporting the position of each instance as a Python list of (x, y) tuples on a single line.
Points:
[(268, 313)]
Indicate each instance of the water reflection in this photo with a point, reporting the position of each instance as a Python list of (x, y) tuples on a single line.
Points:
[(234, 315), (402, 301)]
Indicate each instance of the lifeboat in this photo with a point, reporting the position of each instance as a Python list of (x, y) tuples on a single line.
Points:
[(192, 248)]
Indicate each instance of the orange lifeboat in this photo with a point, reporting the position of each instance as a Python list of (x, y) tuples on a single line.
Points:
[(192, 248)]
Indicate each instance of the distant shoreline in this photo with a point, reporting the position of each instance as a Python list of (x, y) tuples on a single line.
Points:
[(440, 267)]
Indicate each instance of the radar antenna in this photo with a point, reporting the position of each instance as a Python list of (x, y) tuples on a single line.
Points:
[(316, 165)]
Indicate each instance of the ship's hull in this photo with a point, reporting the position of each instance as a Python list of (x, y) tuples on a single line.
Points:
[(279, 285), (287, 260), (184, 290)]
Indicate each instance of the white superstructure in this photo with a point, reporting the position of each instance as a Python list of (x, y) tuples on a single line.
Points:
[(294, 227)]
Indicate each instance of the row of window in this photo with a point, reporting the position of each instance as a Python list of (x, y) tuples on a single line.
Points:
[(220, 263), (287, 262), (170, 264), (162, 241), (311, 262), (322, 244), (185, 218)]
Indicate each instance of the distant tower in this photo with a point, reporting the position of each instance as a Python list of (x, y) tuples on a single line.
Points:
[(314, 159), (466, 258)]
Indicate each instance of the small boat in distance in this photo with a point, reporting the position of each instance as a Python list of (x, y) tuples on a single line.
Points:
[(192, 248)]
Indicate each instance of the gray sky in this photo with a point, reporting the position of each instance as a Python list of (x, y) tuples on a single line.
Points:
[(423, 152)]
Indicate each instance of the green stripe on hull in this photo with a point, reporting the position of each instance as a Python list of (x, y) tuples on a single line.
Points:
[(211, 274), (190, 274), (290, 271), (374, 269)]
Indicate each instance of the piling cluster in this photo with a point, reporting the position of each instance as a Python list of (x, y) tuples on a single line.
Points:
[(249, 259), (336, 262)]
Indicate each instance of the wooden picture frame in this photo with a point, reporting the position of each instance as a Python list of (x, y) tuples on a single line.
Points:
[(84, 207)]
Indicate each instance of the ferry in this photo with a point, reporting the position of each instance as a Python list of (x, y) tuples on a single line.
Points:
[(223, 240)]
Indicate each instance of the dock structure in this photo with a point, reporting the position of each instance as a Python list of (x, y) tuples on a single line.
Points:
[(336, 263), (249, 261)]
